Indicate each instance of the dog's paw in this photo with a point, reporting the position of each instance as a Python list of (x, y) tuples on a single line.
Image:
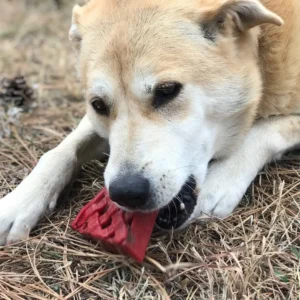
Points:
[(20, 212), (34, 197), (219, 202), (222, 191)]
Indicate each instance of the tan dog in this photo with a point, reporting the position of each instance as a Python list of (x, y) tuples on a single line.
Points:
[(173, 85)]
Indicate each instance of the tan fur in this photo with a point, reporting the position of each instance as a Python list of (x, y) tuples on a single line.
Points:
[(280, 61), (115, 25)]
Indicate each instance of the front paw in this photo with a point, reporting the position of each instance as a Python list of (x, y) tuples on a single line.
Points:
[(20, 211), (224, 187), (35, 196), (220, 195), (218, 203)]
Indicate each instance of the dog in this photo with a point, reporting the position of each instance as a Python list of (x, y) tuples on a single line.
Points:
[(190, 98)]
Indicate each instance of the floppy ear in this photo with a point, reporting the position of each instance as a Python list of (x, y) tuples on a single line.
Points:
[(75, 35), (245, 14)]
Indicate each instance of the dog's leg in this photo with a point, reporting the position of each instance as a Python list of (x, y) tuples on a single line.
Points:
[(228, 179), (37, 194)]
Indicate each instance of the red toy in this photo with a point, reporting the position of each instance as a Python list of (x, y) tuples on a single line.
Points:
[(128, 233)]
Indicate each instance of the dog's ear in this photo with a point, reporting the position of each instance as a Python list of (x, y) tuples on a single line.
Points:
[(243, 14), (75, 35)]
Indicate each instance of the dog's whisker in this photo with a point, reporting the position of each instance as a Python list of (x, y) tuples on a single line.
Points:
[(169, 217), (179, 168), (191, 188), (176, 212)]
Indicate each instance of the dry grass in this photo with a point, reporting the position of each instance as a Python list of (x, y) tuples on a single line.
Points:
[(254, 254)]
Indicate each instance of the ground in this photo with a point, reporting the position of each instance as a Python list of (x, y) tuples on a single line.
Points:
[(253, 254)]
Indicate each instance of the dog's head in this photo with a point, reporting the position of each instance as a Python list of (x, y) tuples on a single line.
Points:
[(171, 85)]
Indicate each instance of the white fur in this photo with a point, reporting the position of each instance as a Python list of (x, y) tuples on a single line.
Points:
[(101, 85), (37, 194), (164, 152), (142, 84), (228, 179), (74, 33)]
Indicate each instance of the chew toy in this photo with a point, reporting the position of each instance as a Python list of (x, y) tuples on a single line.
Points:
[(119, 231)]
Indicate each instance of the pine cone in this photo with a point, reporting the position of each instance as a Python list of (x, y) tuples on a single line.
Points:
[(15, 92)]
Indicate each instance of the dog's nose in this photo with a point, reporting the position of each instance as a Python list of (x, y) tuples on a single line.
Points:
[(130, 191)]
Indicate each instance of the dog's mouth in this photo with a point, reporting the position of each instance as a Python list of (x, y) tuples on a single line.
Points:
[(180, 208)]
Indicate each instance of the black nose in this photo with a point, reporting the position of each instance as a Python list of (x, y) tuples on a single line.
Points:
[(131, 191)]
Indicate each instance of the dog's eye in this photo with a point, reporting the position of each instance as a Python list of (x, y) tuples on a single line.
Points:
[(99, 106), (166, 92)]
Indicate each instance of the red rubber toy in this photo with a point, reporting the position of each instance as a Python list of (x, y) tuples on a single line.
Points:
[(119, 231)]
